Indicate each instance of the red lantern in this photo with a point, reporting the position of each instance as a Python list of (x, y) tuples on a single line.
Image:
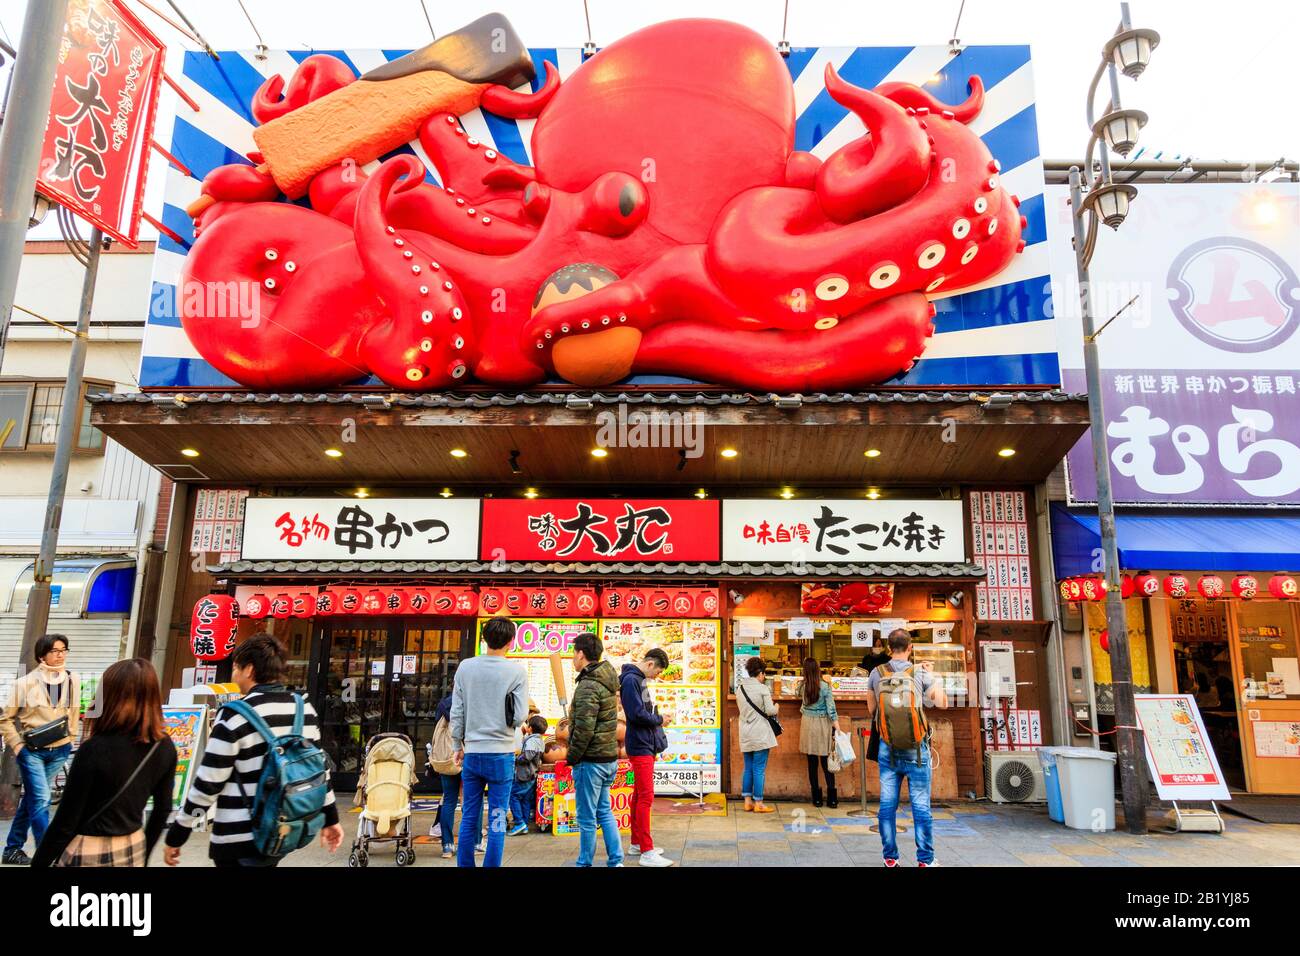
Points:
[(259, 606), (213, 626), (349, 601), (562, 602), (304, 604), (419, 600), (444, 602), (1071, 590), (683, 604), (1245, 586), (706, 603), (1146, 585), (1094, 589), (516, 601), (1283, 587), (466, 601), (1104, 640), (1210, 586), (538, 601), (281, 606), (634, 603), (1126, 586), (661, 605), (396, 601), (327, 602), (585, 602), (491, 600), (372, 602), (1177, 585), (613, 601)]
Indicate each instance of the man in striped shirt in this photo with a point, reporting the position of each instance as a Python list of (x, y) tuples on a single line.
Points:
[(232, 763)]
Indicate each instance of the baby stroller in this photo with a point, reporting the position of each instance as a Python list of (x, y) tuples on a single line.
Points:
[(384, 790)]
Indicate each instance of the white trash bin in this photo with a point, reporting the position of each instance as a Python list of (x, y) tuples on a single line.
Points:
[(1087, 786)]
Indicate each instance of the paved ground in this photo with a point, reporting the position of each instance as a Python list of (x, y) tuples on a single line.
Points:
[(976, 834)]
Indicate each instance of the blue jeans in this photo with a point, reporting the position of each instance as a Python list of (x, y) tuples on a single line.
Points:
[(447, 809), (495, 772), (751, 784), (523, 802), (895, 764), (38, 768), (591, 793)]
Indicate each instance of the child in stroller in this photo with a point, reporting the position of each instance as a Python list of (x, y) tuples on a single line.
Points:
[(384, 793)]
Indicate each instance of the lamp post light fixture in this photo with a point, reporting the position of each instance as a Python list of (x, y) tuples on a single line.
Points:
[(1105, 201)]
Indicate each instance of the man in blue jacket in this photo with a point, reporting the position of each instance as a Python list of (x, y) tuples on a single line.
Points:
[(645, 738)]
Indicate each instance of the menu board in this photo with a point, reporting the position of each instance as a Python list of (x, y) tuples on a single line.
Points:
[(186, 726), (535, 641), (1276, 738), (687, 694), (1182, 762)]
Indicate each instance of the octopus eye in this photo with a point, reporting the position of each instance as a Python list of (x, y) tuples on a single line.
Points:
[(884, 275), (993, 226), (969, 254), (961, 229), (981, 205), (832, 287), (931, 255)]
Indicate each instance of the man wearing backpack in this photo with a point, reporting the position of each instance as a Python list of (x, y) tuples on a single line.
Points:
[(899, 693), (294, 788)]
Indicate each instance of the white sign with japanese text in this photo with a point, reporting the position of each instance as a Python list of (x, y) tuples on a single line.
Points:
[(842, 530), (371, 529)]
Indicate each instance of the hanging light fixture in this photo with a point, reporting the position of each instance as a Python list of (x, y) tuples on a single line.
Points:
[(1120, 129), (1131, 50), (1110, 202)]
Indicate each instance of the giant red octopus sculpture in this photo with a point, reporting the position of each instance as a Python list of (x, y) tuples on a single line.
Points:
[(668, 226)]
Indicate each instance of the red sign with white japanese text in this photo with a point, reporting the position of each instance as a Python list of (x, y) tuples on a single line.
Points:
[(580, 529), (102, 110)]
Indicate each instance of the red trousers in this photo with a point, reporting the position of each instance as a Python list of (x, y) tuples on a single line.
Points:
[(643, 796)]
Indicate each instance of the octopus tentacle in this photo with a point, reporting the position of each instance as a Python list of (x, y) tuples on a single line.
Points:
[(879, 170), (504, 101), (425, 339), (908, 95), (315, 77)]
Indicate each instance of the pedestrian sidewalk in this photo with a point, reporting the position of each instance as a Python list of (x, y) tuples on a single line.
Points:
[(798, 834)]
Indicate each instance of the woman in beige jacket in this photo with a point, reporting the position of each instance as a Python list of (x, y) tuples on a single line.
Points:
[(40, 697), (754, 701)]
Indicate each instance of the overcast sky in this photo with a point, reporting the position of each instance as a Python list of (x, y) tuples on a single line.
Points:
[(1221, 85)]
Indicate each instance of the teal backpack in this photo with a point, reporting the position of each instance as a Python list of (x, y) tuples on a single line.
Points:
[(288, 809)]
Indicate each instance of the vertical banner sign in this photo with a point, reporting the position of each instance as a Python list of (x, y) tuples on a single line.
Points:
[(102, 111), (186, 726), (1000, 543)]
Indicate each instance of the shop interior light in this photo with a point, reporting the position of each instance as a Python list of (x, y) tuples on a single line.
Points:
[(1263, 209), (459, 453), (872, 453), (1006, 452), (873, 493), (729, 453), (445, 493), (787, 493), (361, 493), (333, 453), (599, 452), (702, 493), (530, 492), (190, 452)]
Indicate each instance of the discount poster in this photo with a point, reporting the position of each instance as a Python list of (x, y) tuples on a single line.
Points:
[(534, 643)]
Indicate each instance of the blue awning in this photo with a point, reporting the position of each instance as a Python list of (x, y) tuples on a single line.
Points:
[(1177, 542)]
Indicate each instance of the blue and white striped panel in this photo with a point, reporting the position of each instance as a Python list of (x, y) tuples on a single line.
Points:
[(998, 333)]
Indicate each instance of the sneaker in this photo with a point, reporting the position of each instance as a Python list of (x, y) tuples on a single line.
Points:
[(928, 865), (890, 864), (519, 830), (16, 857), (655, 858), (448, 852), (633, 850), (481, 848)]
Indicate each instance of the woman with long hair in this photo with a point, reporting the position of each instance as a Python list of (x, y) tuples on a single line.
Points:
[(126, 758), (817, 729)]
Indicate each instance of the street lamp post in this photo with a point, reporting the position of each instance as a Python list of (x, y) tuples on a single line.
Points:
[(1107, 202)]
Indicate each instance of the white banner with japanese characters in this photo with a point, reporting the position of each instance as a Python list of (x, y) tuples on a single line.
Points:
[(844, 530), (1201, 372), (371, 529)]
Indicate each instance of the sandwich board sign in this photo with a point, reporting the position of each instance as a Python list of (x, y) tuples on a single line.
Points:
[(1182, 762)]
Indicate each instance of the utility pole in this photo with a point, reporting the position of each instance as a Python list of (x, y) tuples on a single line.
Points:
[(21, 137)]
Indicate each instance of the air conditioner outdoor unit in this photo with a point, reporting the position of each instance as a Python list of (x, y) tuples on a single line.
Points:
[(1013, 776)]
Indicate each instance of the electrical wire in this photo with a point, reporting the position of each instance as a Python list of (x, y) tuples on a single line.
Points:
[(956, 26), (785, 21), (587, 14), (427, 20), (261, 44), (79, 247)]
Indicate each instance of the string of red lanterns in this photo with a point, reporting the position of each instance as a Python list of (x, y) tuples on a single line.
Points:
[(1178, 586)]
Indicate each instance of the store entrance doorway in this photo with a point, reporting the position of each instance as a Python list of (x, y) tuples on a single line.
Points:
[(382, 675), (1204, 670)]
